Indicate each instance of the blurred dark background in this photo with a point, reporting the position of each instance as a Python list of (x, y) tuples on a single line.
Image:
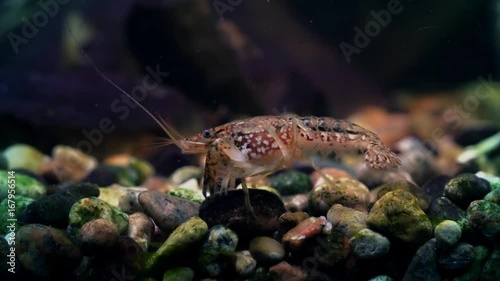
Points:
[(227, 59)]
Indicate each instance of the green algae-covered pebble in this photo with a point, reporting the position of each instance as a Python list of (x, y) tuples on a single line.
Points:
[(221, 241), (24, 185), (186, 235), (485, 217), (89, 209), (291, 182), (23, 156), (398, 214), (189, 194), (178, 274), (18, 204), (493, 196), (423, 199), (349, 220), (447, 233), (466, 188)]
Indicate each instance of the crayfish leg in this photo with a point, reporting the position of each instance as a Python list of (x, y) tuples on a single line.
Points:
[(216, 163), (248, 206)]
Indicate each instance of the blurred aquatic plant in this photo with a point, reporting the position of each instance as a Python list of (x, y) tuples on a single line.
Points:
[(480, 153)]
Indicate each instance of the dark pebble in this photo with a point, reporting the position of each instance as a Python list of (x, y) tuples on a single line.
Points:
[(442, 209), (229, 210), (458, 257), (424, 264), (54, 209), (435, 186), (466, 188), (167, 211), (46, 251)]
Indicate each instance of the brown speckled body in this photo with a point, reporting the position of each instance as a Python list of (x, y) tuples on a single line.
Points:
[(265, 144)]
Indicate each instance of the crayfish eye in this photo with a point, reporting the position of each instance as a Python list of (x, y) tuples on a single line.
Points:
[(207, 134)]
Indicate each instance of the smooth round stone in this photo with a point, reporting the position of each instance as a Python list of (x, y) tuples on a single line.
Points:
[(266, 250), (89, 209), (447, 233), (23, 156), (70, 164), (141, 229), (244, 263), (45, 251), (485, 217), (178, 274), (398, 214), (345, 191), (349, 220), (230, 210), (368, 244), (54, 209), (97, 234), (458, 257), (466, 188), (290, 182), (167, 211)]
